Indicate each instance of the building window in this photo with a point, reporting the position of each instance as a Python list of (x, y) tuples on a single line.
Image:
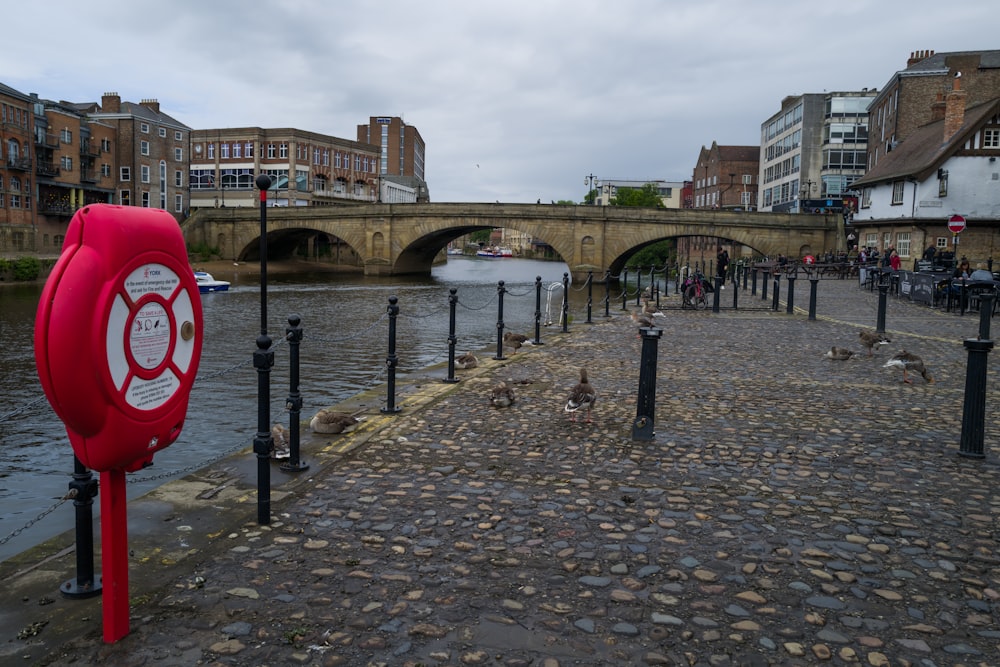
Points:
[(144, 174), (125, 174), (248, 149), (105, 170), (866, 198), (941, 243), (66, 163), (105, 145), (211, 151), (903, 244), (178, 155), (144, 128), (316, 155), (178, 136), (178, 178), (223, 151), (897, 192), (143, 148), (162, 131), (125, 198), (283, 151), (942, 182), (270, 151), (66, 136), (145, 199), (237, 150), (991, 138), (202, 179), (178, 203)]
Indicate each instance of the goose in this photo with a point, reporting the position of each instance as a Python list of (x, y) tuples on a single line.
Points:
[(649, 309), (502, 396), (515, 341), (582, 395), (872, 340), (839, 353), (281, 439), (641, 321), (330, 421), (466, 361), (908, 361)]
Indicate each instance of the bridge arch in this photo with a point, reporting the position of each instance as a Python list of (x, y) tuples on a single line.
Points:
[(391, 239)]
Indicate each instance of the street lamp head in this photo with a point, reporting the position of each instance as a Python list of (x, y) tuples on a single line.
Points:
[(263, 182)]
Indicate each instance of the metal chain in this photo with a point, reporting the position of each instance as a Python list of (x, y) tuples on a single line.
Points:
[(23, 408), (515, 294), (479, 308), (191, 468), (584, 285), (38, 518)]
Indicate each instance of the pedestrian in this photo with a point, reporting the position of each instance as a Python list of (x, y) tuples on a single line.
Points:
[(895, 260), (722, 265), (929, 253)]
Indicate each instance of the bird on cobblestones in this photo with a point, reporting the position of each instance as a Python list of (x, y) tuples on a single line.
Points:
[(466, 361), (839, 353), (583, 395), (641, 321), (280, 437), (330, 421), (872, 340), (515, 341), (502, 396), (650, 309), (908, 361)]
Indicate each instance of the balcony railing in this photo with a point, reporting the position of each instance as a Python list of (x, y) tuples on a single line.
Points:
[(47, 140), (89, 176), (22, 163), (56, 208), (87, 149), (46, 169)]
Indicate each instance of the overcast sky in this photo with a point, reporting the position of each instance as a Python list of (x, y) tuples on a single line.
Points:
[(516, 101)]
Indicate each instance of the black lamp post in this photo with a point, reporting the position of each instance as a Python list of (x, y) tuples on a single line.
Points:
[(263, 360), (589, 181)]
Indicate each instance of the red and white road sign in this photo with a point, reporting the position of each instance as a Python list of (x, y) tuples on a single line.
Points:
[(956, 223)]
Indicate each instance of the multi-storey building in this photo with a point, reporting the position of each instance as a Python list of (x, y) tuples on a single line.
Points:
[(151, 153), (812, 149), (17, 218), (306, 168), (909, 99), (74, 167), (725, 177), (401, 152), (670, 192)]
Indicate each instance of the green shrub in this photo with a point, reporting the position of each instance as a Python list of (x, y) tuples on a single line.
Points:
[(27, 268)]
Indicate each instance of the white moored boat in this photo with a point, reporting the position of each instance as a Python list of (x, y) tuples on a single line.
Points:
[(207, 284)]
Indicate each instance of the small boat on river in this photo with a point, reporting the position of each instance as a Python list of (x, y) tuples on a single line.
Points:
[(207, 284), (495, 251)]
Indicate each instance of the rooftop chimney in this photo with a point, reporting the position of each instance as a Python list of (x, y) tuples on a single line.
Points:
[(111, 103), (954, 108), (917, 56), (937, 108), (151, 104)]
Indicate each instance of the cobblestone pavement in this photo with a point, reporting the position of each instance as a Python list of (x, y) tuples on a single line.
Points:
[(790, 510)]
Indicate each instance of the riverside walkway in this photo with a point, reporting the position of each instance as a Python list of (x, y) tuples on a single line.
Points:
[(790, 510)]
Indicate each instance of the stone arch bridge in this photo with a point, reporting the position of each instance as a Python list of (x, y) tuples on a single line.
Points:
[(396, 239)]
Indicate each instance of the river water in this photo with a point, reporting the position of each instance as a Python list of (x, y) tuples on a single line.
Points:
[(344, 348)]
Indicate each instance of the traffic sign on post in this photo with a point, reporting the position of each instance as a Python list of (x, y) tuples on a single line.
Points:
[(956, 224)]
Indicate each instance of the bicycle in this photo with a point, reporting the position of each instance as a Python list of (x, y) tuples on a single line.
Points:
[(696, 288)]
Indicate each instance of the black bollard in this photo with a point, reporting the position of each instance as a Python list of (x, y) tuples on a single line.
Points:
[(985, 315), (736, 296), (746, 275), (777, 290), (677, 280), (607, 294), (716, 294), (263, 443), (972, 444), (645, 409), (565, 303), (293, 334), (83, 488), (813, 284), (625, 289), (753, 283), (538, 310), (763, 287), (500, 292), (452, 338), (391, 360), (790, 304), (883, 291), (590, 294)]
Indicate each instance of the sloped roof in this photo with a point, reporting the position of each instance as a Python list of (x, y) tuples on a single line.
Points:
[(923, 152), (739, 153), (11, 92), (936, 62)]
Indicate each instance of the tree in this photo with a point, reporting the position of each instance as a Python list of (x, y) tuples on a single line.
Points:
[(658, 255), (647, 195)]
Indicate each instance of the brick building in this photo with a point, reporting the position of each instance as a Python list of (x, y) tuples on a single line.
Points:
[(725, 177), (401, 152), (17, 218), (306, 168), (906, 101)]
